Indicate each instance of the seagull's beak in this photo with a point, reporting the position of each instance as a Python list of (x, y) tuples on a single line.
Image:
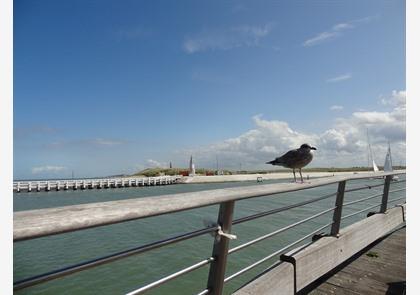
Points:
[(313, 148)]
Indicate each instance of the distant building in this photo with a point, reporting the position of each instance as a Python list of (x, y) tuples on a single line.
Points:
[(170, 165), (192, 167)]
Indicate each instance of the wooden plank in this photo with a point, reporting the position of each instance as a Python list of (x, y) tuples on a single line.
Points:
[(325, 254), (329, 289), (372, 275), (272, 284), (319, 258), (361, 285), (43, 222)]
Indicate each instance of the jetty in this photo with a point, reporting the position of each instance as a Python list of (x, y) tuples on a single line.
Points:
[(81, 184), (294, 267)]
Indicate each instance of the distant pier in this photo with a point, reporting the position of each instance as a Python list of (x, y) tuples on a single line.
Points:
[(77, 184)]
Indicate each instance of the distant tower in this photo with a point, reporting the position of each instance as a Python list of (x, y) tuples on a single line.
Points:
[(192, 167), (170, 165)]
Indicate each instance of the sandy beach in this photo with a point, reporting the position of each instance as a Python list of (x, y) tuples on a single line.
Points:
[(256, 177)]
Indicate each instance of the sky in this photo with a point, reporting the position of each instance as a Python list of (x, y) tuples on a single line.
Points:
[(111, 87)]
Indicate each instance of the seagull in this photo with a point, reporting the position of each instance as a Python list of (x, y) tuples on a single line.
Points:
[(295, 159)]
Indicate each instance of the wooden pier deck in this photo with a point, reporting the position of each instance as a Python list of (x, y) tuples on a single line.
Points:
[(304, 269), (377, 269)]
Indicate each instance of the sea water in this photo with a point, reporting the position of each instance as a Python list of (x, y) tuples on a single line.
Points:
[(41, 255)]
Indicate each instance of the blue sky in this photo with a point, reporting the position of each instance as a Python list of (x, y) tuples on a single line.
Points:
[(105, 87)]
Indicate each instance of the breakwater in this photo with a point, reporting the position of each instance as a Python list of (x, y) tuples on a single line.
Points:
[(75, 184)]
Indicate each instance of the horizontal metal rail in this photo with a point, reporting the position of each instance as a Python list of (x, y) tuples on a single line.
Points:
[(171, 277), (285, 208), (34, 280), (396, 199), (397, 190), (204, 292), (205, 262), (373, 206), (398, 181), (261, 238), (275, 253), (363, 199), (363, 187), (360, 211)]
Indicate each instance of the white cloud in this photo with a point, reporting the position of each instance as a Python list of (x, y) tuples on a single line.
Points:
[(339, 78), (320, 38), (342, 145), (396, 98), (335, 31), (342, 26), (239, 36), (336, 108), (150, 163), (373, 117), (48, 169)]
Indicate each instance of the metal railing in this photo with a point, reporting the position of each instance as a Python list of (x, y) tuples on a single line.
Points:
[(26, 226)]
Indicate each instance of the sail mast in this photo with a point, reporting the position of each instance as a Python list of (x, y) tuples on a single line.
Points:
[(368, 148), (389, 151)]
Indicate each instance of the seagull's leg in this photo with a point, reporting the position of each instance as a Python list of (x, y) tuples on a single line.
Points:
[(294, 174), (300, 172)]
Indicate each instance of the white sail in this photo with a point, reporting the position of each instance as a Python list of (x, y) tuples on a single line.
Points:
[(370, 155), (387, 165), (388, 160), (375, 168)]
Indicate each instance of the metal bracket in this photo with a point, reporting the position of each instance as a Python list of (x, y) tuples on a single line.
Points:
[(316, 237), (371, 214), (402, 207), (229, 236), (292, 261)]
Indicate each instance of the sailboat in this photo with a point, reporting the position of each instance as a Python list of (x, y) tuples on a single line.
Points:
[(370, 155), (388, 162), (375, 167)]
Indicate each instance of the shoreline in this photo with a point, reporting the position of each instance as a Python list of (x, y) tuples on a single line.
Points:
[(262, 177)]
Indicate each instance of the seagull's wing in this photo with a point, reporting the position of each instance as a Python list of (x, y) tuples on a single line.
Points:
[(289, 158)]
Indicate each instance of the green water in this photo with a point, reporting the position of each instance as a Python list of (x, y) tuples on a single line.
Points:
[(44, 254)]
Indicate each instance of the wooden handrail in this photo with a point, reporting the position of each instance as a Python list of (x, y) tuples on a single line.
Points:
[(43, 222)]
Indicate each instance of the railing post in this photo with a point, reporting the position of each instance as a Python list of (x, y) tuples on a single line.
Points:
[(220, 250), (335, 227), (384, 203)]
